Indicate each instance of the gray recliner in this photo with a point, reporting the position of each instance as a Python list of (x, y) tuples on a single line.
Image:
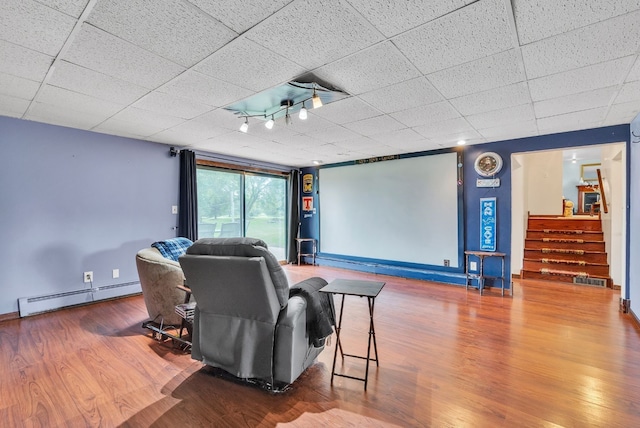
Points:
[(245, 322)]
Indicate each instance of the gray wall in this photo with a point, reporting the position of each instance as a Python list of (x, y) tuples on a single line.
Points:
[(75, 201), (633, 254)]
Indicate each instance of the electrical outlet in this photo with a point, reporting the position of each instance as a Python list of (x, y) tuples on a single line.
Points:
[(473, 265), (116, 273), (88, 276), (446, 262), (174, 209)]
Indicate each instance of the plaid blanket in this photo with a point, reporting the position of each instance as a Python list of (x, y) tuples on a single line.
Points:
[(173, 248)]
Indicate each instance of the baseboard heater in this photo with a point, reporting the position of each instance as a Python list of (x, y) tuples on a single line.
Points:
[(585, 280), (50, 302)]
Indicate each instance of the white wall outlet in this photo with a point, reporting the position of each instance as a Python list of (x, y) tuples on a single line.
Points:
[(174, 209), (116, 273), (88, 276), (473, 265)]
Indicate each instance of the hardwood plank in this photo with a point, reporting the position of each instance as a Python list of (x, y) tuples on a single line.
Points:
[(552, 355)]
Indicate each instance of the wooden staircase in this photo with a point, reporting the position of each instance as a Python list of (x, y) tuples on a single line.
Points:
[(566, 249)]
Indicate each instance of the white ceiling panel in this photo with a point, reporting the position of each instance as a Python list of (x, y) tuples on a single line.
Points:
[(69, 117), (369, 69), (629, 92), (585, 119), (173, 105), (596, 43), (251, 61), (622, 113), (240, 15), (23, 62), (333, 134), (583, 79), (126, 128), (70, 7), (392, 17), (469, 137), (401, 96), (34, 26), (493, 99), (153, 122), (483, 74), (103, 52), (473, 32), (205, 89), (315, 32), (490, 119), (634, 74), (398, 138), (12, 106), (174, 30), (62, 98), (510, 131), (375, 125), (346, 110), (445, 127), (424, 115), (17, 87), (540, 19), (89, 82), (575, 102)]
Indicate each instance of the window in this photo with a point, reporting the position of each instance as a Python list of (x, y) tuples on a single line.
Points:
[(239, 203)]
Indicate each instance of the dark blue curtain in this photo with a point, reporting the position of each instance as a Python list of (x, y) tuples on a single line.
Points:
[(294, 215), (188, 206)]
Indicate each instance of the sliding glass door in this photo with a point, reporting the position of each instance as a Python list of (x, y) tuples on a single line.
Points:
[(236, 203)]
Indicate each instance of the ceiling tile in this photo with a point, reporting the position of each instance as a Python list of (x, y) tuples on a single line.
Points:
[(540, 19), (346, 110), (510, 131), (629, 92), (174, 30), (634, 74), (585, 119), (63, 98), (240, 16), (402, 96), (473, 32), (70, 7), (103, 52), (622, 113), (375, 125), (493, 99), (392, 17), (490, 119), (491, 72), (597, 43), (398, 138), (72, 118), (333, 134), (129, 129), (34, 26), (23, 62), (18, 87), (12, 106), (153, 122), (85, 81), (445, 127), (451, 140), (580, 80), (370, 69), (255, 67), (315, 32), (205, 89), (575, 102), (172, 105), (423, 115)]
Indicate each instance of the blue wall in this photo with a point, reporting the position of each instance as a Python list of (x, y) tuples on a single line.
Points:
[(76, 201), (472, 195)]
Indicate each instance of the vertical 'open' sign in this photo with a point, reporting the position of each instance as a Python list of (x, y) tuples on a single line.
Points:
[(488, 224)]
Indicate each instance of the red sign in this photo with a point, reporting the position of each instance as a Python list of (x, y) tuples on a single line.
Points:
[(307, 203)]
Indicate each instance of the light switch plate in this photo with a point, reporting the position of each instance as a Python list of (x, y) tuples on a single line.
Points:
[(174, 209)]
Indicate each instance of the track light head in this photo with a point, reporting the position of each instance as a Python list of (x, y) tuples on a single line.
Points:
[(303, 112), (315, 100), (269, 123), (245, 126)]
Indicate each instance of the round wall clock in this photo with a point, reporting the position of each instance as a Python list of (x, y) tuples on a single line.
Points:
[(488, 164)]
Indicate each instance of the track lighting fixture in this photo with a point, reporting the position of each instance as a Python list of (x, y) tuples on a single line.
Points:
[(287, 118), (269, 123), (315, 99), (245, 126), (303, 112)]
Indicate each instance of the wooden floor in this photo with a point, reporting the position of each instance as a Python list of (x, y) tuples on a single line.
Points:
[(551, 355)]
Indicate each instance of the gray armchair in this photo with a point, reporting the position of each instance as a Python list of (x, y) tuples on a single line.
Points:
[(245, 322)]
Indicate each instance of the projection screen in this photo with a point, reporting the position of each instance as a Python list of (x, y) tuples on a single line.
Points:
[(402, 210)]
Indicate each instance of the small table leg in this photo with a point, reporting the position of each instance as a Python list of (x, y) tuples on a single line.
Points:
[(338, 344)]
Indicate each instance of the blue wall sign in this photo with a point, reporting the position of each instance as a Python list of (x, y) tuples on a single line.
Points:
[(488, 227)]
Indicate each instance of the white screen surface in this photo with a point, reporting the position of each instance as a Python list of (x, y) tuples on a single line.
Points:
[(403, 210)]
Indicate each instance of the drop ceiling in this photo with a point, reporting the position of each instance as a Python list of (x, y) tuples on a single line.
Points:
[(421, 74)]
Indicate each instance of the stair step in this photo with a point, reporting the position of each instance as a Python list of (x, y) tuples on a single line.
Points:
[(561, 254), (564, 223), (526, 274), (589, 269), (565, 244), (565, 234)]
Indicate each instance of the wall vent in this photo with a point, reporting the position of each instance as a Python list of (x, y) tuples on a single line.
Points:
[(597, 282), (50, 302)]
